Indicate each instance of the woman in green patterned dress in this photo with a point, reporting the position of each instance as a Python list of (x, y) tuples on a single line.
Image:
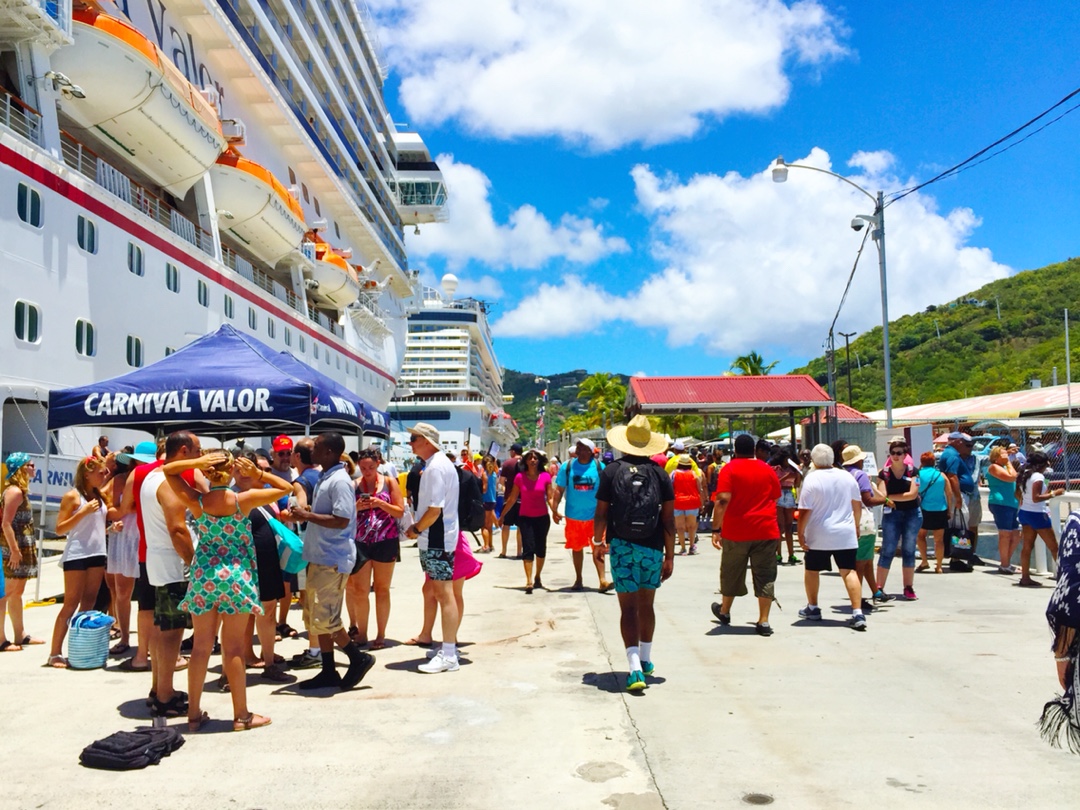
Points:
[(18, 549), (224, 585)]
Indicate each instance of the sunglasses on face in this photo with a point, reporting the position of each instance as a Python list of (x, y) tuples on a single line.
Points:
[(898, 452), (414, 439), (284, 453)]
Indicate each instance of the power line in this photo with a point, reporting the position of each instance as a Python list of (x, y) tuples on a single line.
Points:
[(964, 164), (850, 277)]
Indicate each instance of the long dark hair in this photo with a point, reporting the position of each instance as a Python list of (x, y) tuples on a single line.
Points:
[(1036, 463)]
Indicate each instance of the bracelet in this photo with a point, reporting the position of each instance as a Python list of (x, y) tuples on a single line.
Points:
[(1063, 660)]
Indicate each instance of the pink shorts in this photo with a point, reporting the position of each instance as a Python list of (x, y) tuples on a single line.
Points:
[(466, 566)]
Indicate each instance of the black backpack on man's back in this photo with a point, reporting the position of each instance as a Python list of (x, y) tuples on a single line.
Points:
[(635, 500), (470, 502)]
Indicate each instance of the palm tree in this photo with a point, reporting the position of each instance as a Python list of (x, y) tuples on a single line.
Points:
[(753, 364), (605, 396)]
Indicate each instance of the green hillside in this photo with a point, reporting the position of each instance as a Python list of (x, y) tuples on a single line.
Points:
[(978, 351), (562, 399)]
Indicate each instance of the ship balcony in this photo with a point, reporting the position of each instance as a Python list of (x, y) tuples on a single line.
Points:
[(368, 317), (21, 119), (420, 199), (47, 22)]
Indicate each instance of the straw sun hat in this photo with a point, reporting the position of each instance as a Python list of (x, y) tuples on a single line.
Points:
[(636, 438)]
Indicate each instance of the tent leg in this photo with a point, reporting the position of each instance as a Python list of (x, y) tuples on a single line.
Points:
[(791, 424), (41, 517)]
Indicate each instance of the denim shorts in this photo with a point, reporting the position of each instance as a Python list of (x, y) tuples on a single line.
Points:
[(686, 513), (1036, 520), (1006, 518), (899, 528), (787, 500)]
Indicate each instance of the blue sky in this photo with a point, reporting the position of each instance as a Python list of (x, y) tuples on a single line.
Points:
[(608, 164)]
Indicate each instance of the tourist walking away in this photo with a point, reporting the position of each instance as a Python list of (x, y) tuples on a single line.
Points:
[(578, 478), (223, 590), (436, 534), (508, 517), (532, 493), (1001, 477), (936, 503), (1035, 520), (19, 549), (489, 484), (959, 464), (900, 521), (83, 517), (829, 510), (787, 470), (330, 552), (744, 528), (689, 485), (635, 525), (853, 459), (1061, 716), (379, 507)]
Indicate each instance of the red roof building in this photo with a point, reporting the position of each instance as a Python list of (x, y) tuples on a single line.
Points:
[(735, 395)]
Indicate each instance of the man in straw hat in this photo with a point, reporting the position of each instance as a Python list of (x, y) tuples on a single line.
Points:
[(635, 504), (853, 458)]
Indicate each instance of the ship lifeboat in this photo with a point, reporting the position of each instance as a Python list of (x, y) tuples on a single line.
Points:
[(333, 279), (255, 208), (137, 104)]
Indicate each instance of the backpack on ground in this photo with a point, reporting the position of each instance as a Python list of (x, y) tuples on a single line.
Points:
[(131, 750), (635, 502), (470, 502)]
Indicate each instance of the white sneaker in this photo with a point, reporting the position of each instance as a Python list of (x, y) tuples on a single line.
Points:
[(440, 663)]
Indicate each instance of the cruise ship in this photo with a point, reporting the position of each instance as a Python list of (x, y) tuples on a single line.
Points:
[(169, 166), (451, 377)]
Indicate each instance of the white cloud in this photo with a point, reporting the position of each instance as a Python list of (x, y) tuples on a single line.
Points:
[(751, 264), (603, 72), (557, 310), (528, 239)]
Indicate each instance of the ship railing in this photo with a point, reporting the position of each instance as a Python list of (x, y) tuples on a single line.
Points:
[(20, 118)]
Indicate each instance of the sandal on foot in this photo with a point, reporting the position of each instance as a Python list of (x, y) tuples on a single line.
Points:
[(415, 642), (197, 723), (28, 640), (129, 665), (119, 649), (57, 662), (251, 721), (378, 644), (9, 646)]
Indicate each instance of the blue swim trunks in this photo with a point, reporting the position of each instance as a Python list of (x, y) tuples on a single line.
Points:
[(634, 567)]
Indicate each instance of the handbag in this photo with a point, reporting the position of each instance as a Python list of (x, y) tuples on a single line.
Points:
[(289, 545), (88, 639)]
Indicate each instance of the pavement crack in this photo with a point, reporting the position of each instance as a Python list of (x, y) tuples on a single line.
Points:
[(626, 708)]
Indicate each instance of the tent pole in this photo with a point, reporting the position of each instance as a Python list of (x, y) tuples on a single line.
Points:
[(41, 518), (791, 424)]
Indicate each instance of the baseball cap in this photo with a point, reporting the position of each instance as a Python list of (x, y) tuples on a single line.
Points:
[(678, 447), (517, 448), (964, 437), (282, 442), (145, 453), (586, 443)]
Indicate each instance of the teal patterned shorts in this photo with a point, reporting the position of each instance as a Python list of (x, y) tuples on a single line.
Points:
[(635, 567)]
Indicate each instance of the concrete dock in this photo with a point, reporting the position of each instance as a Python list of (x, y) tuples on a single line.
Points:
[(934, 706)]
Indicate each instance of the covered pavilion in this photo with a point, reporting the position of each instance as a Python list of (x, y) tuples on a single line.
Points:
[(731, 396)]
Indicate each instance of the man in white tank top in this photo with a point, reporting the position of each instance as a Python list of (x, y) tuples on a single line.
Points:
[(169, 548)]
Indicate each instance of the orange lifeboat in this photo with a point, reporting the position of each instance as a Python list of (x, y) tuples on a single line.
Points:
[(334, 280), (256, 208), (138, 105)]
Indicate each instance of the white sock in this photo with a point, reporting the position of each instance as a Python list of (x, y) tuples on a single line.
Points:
[(646, 651), (314, 650), (633, 657), (449, 649), (812, 607), (856, 612)]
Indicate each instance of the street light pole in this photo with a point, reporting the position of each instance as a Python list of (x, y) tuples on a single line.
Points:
[(877, 220), (847, 360)]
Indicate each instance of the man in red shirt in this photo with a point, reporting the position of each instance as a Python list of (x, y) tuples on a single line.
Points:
[(745, 518)]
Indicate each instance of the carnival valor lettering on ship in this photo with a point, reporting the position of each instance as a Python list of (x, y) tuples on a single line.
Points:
[(213, 400)]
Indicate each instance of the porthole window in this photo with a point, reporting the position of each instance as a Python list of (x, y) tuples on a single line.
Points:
[(169, 350), (315, 350), (134, 351), (229, 309), (288, 336), (203, 293), (29, 205), (85, 338), (172, 277), (135, 259), (271, 328), (87, 234), (253, 319), (303, 344), (27, 322)]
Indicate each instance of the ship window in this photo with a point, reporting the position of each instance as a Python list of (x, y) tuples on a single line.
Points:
[(87, 233), (337, 230), (292, 177), (253, 319), (134, 351), (203, 294), (303, 188), (271, 328), (229, 311), (169, 350), (172, 277), (326, 357), (338, 361), (303, 345), (288, 336), (135, 259), (27, 322), (29, 204), (318, 213), (85, 338), (315, 350)]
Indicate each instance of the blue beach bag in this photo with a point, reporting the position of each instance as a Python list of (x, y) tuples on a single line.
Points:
[(289, 545), (88, 639)]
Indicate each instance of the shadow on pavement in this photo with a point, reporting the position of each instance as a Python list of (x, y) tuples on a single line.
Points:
[(134, 709), (732, 630)]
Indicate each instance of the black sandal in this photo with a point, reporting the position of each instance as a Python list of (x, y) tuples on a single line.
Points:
[(176, 706)]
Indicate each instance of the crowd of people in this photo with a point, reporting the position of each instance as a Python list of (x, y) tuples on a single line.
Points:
[(193, 538)]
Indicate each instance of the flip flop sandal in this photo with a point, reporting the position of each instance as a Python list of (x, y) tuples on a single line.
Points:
[(57, 662), (128, 665), (415, 642), (194, 725), (251, 721), (378, 644), (9, 646), (119, 649), (28, 640)]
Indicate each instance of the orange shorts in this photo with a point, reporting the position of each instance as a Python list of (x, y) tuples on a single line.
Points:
[(579, 534)]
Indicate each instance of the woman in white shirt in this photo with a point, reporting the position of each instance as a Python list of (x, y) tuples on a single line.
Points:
[(1033, 492)]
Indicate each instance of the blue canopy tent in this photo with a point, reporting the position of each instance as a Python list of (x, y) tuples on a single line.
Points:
[(223, 384), (376, 422)]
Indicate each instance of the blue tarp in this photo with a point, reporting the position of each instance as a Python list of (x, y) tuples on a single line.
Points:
[(225, 383)]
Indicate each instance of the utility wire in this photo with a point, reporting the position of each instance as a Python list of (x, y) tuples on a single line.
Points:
[(964, 164), (849, 280)]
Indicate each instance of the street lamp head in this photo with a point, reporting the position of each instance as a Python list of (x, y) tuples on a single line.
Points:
[(779, 170)]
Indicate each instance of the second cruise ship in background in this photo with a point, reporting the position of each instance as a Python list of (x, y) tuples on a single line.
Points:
[(451, 377), (169, 166)]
